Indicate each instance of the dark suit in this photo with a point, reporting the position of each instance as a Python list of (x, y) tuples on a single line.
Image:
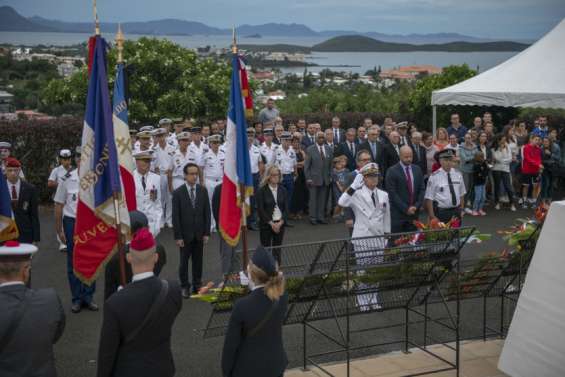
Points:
[(25, 213), (378, 157), (30, 350), (191, 224), (112, 279), (391, 157), (265, 208), (318, 171), (261, 354), (343, 150), (149, 353), (420, 158), (306, 142), (397, 187), (340, 135)]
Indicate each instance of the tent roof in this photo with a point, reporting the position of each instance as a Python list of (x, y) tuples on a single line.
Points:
[(533, 78)]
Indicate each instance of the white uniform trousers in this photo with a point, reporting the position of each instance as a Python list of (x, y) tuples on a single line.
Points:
[(166, 202), (211, 184)]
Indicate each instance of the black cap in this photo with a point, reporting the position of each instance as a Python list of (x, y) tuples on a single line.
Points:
[(264, 260), (445, 153)]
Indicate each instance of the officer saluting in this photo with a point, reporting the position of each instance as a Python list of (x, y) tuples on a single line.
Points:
[(445, 190), (213, 161), (148, 191)]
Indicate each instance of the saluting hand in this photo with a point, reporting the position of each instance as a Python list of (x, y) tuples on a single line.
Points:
[(180, 243)]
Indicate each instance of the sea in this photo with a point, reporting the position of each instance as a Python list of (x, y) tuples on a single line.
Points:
[(355, 62)]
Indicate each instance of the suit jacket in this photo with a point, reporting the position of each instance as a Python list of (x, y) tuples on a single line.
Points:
[(306, 140), (191, 223), (149, 353), (397, 188), (343, 150), (420, 158), (112, 279), (341, 135), (391, 157), (26, 214), (379, 157), (261, 354), (30, 350), (316, 169), (266, 205)]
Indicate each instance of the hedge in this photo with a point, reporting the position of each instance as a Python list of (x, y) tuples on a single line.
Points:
[(36, 143)]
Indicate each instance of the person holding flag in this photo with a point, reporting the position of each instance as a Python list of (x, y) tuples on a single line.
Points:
[(237, 182)]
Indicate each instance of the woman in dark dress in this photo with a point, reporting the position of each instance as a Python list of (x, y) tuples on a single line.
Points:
[(300, 194), (272, 207), (253, 346)]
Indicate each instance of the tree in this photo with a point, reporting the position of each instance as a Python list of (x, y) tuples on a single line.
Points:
[(167, 80), (419, 99)]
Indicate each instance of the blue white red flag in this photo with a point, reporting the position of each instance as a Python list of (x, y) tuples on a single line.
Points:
[(237, 184), (96, 236), (8, 227), (123, 138)]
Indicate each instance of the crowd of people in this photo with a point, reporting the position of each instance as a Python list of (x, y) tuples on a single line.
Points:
[(375, 179)]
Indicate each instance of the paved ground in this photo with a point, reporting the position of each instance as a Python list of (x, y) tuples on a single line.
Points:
[(194, 356), (478, 359)]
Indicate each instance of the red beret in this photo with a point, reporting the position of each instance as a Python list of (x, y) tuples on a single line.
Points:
[(12, 162), (142, 240)]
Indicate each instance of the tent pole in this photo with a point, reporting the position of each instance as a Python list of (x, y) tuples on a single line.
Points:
[(434, 120)]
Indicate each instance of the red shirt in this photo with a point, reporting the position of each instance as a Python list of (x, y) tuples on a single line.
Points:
[(531, 159)]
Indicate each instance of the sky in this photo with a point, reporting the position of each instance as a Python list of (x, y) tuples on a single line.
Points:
[(518, 19)]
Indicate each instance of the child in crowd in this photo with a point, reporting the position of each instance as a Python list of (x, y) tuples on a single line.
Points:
[(339, 177), (480, 174)]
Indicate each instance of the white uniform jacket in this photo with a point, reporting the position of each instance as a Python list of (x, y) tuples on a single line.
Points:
[(369, 221), (149, 200)]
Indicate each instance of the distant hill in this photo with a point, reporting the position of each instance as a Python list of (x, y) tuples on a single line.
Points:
[(10, 20), (291, 49), (360, 43)]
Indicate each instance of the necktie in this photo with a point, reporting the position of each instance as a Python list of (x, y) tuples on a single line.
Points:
[(352, 149), (192, 197), (336, 135), (322, 153), (14, 193), (409, 185), (451, 190), (143, 182), (417, 147), (374, 199)]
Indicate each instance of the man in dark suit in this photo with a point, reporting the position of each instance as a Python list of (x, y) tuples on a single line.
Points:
[(317, 171), (31, 321), (112, 279), (373, 146), (338, 133), (391, 154), (402, 129), (348, 148), (191, 227), (25, 199), (135, 340), (404, 183), (420, 158), (310, 137)]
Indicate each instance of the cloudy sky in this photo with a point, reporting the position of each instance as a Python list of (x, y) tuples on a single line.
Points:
[(484, 18)]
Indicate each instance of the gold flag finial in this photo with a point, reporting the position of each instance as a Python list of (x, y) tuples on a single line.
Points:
[(234, 42), (96, 20), (120, 39)]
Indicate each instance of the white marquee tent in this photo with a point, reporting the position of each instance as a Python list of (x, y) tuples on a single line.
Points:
[(533, 78)]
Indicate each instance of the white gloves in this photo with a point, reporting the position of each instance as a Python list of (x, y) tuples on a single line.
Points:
[(357, 182)]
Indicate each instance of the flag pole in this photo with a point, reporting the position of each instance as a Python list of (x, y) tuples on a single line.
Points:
[(245, 251), (96, 20), (116, 196)]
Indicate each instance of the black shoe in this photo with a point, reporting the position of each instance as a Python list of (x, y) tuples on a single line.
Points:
[(185, 293), (63, 250), (313, 222), (92, 306), (322, 222), (252, 227), (76, 308)]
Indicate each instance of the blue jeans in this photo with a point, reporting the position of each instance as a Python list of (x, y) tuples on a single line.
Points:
[(480, 196), (288, 184), (80, 292), (252, 218)]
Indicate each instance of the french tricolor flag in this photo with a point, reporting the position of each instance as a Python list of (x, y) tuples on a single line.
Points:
[(237, 184), (96, 234)]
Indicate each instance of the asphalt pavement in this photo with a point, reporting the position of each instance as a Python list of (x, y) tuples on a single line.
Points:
[(76, 351)]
